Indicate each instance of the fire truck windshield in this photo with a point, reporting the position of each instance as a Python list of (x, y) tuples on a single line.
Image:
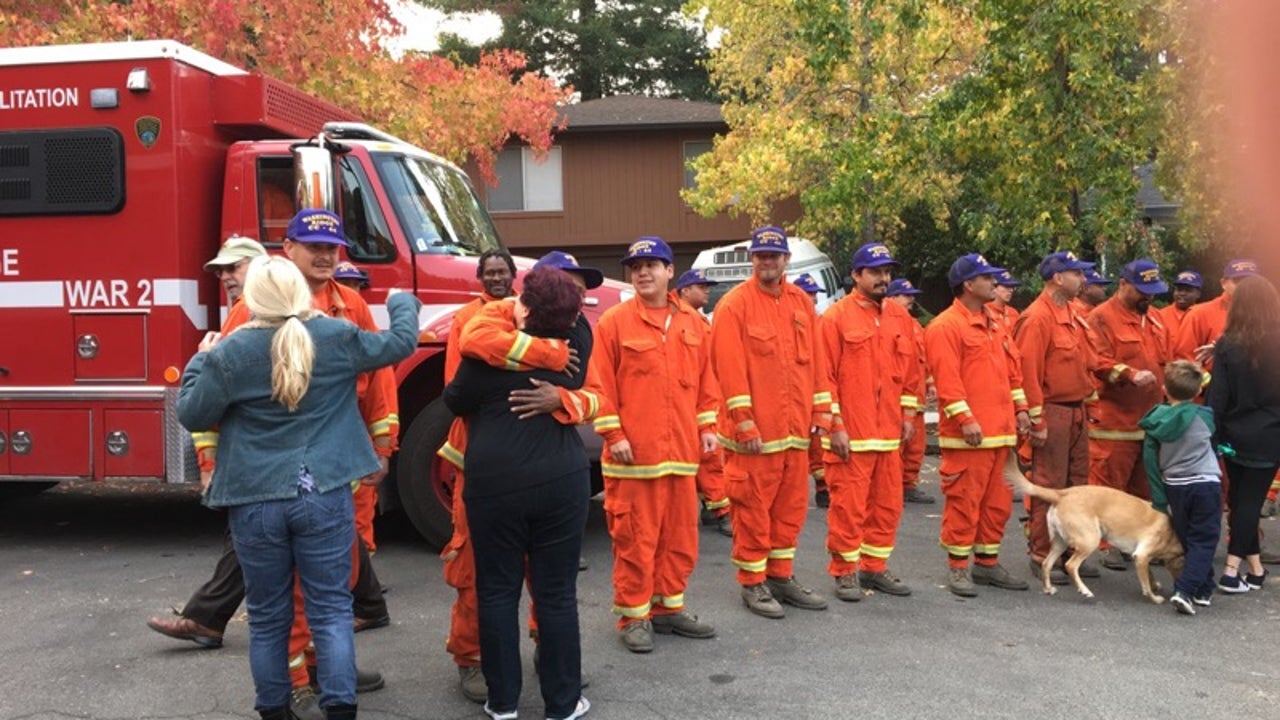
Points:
[(436, 206)]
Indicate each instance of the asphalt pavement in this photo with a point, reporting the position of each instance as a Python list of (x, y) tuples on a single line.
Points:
[(83, 567)]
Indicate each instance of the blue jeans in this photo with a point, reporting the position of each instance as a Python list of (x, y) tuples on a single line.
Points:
[(311, 534), (1196, 511), (544, 524)]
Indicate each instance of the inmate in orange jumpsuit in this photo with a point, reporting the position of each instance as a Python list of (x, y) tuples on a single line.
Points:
[(768, 361), (710, 478), (1203, 324), (976, 370), (1056, 362), (503, 347), (1124, 342), (379, 405), (658, 394), (873, 371), (1172, 316), (913, 449)]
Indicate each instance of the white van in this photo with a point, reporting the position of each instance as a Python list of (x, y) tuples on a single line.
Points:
[(731, 264)]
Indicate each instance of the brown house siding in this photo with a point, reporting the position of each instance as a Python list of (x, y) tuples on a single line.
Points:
[(619, 185)]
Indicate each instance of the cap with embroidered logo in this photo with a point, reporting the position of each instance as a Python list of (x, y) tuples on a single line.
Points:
[(1093, 277), (1190, 278), (1004, 279), (770, 238), (806, 283), (968, 267), (316, 226), (347, 271), (1144, 275), (1064, 261), (648, 247), (901, 286), (693, 277), (873, 255), (1240, 267), (564, 261)]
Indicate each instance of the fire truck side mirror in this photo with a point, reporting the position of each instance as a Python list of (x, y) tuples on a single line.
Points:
[(313, 178)]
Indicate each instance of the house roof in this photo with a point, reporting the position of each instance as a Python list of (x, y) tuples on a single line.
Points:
[(639, 112)]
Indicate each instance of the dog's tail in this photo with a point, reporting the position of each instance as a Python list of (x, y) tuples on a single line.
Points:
[(1013, 475)]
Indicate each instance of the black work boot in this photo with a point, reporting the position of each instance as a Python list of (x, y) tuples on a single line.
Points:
[(340, 712)]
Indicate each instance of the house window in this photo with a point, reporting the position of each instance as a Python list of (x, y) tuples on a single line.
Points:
[(692, 149), (527, 183)]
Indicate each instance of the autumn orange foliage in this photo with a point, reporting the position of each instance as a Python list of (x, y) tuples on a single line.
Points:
[(339, 50)]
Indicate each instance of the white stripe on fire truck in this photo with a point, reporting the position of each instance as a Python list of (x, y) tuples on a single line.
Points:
[(31, 294), (166, 292), (428, 315)]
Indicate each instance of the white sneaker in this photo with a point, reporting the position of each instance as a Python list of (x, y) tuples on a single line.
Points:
[(578, 710), (510, 715)]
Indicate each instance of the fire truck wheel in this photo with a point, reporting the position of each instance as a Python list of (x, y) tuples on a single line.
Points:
[(425, 480), (18, 490)]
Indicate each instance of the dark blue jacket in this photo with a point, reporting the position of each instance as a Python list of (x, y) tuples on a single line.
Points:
[(263, 449)]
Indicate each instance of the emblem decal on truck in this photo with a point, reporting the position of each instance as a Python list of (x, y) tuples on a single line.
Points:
[(148, 129)]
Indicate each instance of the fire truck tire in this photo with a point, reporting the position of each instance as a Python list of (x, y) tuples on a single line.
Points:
[(19, 490), (424, 480)]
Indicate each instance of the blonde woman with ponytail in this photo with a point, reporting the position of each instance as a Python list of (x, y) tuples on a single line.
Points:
[(282, 392)]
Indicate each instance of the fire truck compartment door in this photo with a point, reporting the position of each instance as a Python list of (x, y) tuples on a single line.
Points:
[(49, 442), (132, 443), (109, 346), (4, 442)]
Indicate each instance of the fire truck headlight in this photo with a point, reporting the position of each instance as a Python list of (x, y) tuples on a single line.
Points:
[(139, 80)]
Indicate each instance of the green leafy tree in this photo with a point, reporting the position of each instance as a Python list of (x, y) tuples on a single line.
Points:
[(601, 47)]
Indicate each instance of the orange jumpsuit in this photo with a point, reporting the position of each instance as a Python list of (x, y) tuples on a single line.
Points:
[(767, 359), (1203, 324), (659, 395), (1056, 365), (1082, 308), (379, 405), (913, 449), (710, 478), (1123, 343), (873, 370), (1006, 316), (976, 370), (1172, 318), (497, 349)]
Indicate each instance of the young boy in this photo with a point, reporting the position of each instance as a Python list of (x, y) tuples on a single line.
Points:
[(1181, 466)]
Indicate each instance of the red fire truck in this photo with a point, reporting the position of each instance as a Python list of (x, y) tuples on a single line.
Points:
[(122, 167)]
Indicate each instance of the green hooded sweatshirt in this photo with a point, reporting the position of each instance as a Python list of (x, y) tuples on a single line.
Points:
[(1166, 425)]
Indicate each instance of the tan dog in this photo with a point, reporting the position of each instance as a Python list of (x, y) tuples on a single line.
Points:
[(1082, 517)]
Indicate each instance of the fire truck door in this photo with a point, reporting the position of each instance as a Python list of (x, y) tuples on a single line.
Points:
[(109, 345), (50, 443)]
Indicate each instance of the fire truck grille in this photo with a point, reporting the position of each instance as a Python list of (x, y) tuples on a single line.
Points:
[(81, 170), (68, 171)]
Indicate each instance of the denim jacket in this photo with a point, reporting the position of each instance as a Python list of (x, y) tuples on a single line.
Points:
[(266, 452)]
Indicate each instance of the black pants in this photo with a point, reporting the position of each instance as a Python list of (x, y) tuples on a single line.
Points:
[(1246, 492), (215, 602), (543, 524), (1196, 511)]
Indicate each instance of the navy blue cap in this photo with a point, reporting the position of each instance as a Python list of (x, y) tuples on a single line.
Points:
[(770, 238), (1064, 261), (564, 261), (902, 286), (649, 247), (1144, 275), (347, 271), (1240, 267), (1093, 277), (1007, 280), (806, 283), (1190, 278), (873, 255), (968, 267), (316, 226), (693, 277)]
